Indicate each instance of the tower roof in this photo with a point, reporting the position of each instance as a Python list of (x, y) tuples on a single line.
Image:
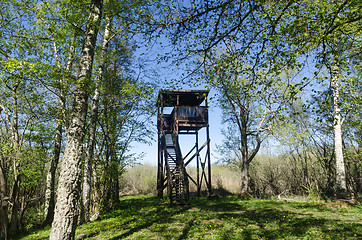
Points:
[(186, 97)]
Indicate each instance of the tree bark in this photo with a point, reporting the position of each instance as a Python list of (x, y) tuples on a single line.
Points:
[(5, 199), (66, 209), (245, 177), (50, 181), (245, 159), (95, 197), (341, 187), (4, 221), (14, 223), (88, 162)]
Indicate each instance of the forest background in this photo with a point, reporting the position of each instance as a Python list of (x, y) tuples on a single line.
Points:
[(78, 89)]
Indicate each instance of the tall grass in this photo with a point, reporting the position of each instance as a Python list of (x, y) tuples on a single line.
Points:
[(270, 176), (141, 179)]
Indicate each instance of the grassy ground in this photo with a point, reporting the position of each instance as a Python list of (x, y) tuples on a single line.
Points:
[(146, 217)]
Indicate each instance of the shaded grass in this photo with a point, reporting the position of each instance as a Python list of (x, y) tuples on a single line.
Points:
[(146, 217)]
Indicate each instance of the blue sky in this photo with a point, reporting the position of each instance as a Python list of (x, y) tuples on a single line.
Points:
[(164, 72)]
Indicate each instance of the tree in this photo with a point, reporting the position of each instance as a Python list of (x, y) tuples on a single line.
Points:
[(21, 101), (86, 198), (60, 118), (111, 95), (250, 104), (66, 211), (331, 32), (40, 43), (124, 103)]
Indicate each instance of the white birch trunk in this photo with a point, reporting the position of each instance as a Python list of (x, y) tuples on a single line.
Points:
[(341, 188), (88, 162), (66, 209)]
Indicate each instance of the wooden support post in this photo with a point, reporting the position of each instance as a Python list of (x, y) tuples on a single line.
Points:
[(160, 157), (160, 173), (208, 151), (169, 180), (198, 164)]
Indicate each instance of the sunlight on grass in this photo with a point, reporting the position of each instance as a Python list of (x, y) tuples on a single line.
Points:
[(145, 217)]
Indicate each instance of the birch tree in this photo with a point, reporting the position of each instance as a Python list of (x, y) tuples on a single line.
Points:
[(55, 54), (39, 59), (61, 123), (331, 32), (88, 162), (114, 60), (66, 209)]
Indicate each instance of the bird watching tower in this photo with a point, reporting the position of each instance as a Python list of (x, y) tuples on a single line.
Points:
[(182, 112)]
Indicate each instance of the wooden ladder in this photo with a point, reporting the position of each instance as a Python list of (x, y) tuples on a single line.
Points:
[(176, 173)]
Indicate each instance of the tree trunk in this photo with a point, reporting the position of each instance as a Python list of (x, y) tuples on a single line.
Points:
[(247, 158), (245, 177), (66, 209), (50, 182), (10, 226), (92, 129), (14, 223), (341, 188), (95, 196), (14, 226), (88, 161), (111, 185), (4, 221)]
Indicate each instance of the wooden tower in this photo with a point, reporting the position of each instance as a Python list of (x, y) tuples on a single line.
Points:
[(187, 117)]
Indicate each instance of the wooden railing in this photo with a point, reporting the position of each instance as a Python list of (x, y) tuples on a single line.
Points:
[(190, 114), (183, 115)]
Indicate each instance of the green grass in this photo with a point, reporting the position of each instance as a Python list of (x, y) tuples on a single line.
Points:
[(146, 217)]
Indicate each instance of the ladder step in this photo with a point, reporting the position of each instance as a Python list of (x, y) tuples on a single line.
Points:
[(177, 182)]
